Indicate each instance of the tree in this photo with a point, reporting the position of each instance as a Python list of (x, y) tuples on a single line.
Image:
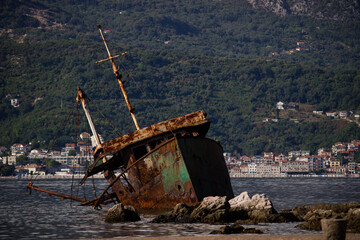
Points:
[(22, 160), (51, 163), (72, 152), (6, 170)]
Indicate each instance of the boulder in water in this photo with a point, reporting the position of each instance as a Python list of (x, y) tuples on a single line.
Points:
[(121, 213), (211, 210), (236, 228)]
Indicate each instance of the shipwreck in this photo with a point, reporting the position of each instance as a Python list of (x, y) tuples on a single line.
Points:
[(158, 166)]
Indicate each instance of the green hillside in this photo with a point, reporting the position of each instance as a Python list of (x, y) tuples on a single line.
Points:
[(182, 56)]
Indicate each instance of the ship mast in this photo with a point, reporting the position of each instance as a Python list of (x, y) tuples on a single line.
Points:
[(80, 97), (118, 77)]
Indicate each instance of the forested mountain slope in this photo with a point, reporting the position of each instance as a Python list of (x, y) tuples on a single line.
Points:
[(183, 56)]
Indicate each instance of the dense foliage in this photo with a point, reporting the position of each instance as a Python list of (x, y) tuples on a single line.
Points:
[(216, 59), (6, 170)]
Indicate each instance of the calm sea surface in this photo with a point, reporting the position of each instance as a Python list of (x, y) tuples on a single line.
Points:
[(24, 216)]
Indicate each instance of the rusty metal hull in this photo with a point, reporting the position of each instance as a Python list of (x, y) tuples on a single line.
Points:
[(185, 170), (159, 166)]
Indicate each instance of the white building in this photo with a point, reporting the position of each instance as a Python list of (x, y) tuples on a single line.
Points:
[(18, 149), (15, 102), (294, 167), (280, 106)]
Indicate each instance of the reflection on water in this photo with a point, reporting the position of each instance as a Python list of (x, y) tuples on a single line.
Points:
[(42, 216)]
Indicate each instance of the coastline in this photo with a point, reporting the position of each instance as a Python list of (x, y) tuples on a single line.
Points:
[(349, 236), (49, 176), (247, 175)]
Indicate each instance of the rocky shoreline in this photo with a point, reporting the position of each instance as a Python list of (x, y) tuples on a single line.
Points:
[(243, 210)]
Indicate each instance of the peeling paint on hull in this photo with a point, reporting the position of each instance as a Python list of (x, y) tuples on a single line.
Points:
[(185, 170)]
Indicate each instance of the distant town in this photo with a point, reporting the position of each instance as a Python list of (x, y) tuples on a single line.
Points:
[(23, 162), (26, 162), (342, 160), (336, 162)]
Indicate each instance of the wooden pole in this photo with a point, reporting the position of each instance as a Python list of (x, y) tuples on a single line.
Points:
[(334, 229)]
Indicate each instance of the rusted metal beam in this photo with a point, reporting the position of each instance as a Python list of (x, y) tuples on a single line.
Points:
[(196, 121), (62, 196), (118, 77), (107, 59)]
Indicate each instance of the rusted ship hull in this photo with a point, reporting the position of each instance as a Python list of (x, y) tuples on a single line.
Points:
[(163, 164), (184, 170)]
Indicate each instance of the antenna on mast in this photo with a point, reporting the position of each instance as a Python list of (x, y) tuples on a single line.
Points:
[(118, 77)]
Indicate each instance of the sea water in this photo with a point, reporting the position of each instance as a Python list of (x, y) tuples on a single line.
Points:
[(36, 216)]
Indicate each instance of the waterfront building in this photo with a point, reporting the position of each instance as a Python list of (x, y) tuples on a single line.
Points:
[(351, 167), (245, 159), (38, 154), (268, 170), (259, 159), (244, 168), (339, 170), (296, 154), (322, 152), (9, 160), (335, 162), (294, 167), (93, 140), (34, 169), (18, 149), (316, 163), (269, 155), (252, 167), (280, 158), (338, 147)]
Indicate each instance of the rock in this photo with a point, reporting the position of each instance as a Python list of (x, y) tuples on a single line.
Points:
[(257, 209), (343, 208), (121, 213), (217, 210), (353, 220), (213, 210), (313, 219), (263, 216), (258, 201), (239, 200), (312, 215), (180, 214), (252, 231), (163, 218), (288, 216), (235, 228)]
